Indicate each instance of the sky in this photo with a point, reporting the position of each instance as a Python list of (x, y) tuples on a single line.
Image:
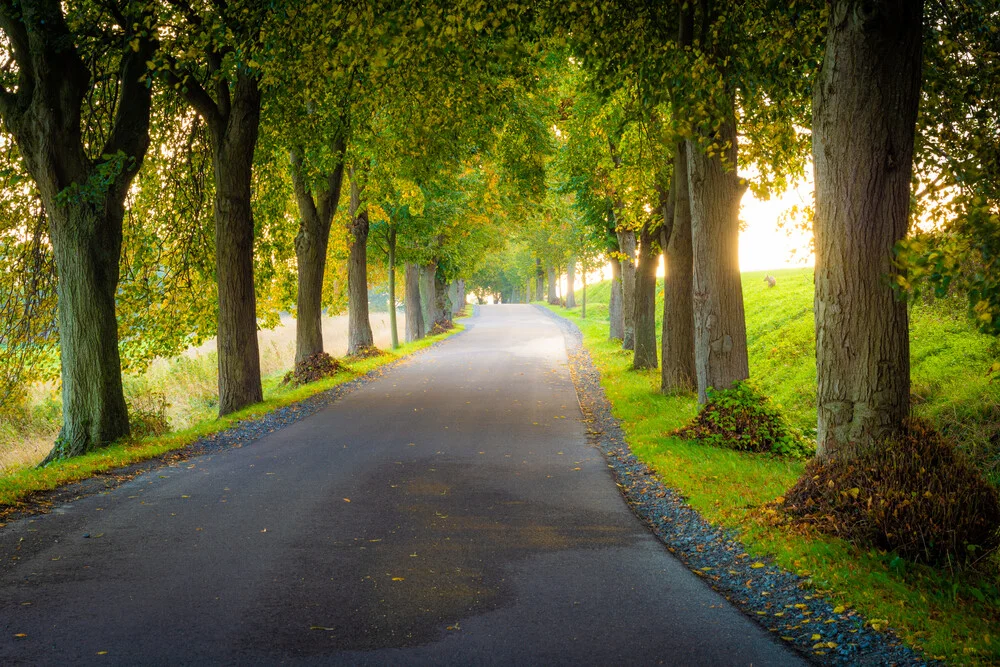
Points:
[(762, 245)]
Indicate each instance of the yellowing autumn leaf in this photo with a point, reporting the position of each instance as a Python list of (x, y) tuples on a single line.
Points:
[(757, 565)]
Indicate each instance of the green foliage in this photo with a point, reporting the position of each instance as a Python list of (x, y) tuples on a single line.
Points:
[(313, 368), (742, 418), (914, 494)]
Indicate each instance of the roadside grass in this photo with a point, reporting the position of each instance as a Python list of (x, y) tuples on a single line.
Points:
[(21, 483), (955, 616)]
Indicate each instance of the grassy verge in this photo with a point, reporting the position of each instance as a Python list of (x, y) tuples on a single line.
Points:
[(948, 616), (22, 483)]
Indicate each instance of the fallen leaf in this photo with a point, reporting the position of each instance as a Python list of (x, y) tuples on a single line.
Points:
[(757, 565), (347, 500), (398, 579), (320, 627)]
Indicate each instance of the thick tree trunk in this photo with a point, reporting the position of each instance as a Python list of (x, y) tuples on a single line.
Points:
[(583, 302), (570, 280), (865, 109), (393, 331), (359, 328), (87, 246), (645, 302), (719, 325), (311, 244), (428, 298), (83, 203), (616, 315), (414, 314), (539, 279), (239, 359), (550, 272), (678, 368), (460, 303), (626, 242), (442, 303), (530, 291)]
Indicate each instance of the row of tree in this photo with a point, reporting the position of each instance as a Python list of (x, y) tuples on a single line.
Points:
[(180, 166), (668, 117)]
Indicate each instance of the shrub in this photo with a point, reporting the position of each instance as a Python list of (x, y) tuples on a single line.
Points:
[(147, 414), (314, 367), (440, 327), (742, 418), (915, 494)]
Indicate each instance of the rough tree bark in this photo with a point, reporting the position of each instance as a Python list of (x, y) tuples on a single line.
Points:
[(719, 325), (626, 243), (393, 331), (570, 280), (316, 211), (550, 274), (616, 316), (442, 301), (865, 108), (427, 294), (85, 211), (644, 316), (359, 328), (414, 314), (678, 368)]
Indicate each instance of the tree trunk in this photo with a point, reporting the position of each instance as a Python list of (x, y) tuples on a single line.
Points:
[(239, 359), (570, 280), (359, 328), (457, 307), (865, 109), (87, 246), (583, 303), (645, 302), (393, 332), (551, 277), (311, 244), (442, 303), (626, 242), (678, 367), (428, 298), (616, 316), (539, 279), (719, 325), (414, 315)]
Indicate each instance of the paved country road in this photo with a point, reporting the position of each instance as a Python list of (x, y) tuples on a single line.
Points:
[(451, 512)]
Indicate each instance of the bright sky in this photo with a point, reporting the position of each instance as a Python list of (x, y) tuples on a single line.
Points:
[(764, 246)]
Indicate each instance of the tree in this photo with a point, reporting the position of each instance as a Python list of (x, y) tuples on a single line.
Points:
[(83, 141), (210, 61), (864, 119)]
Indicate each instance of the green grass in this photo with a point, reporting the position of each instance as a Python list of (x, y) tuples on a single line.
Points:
[(937, 611), (22, 483)]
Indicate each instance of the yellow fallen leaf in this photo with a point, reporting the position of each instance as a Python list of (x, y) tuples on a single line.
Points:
[(398, 579), (102, 653), (839, 609), (21, 635), (347, 500), (319, 627), (757, 565), (816, 638)]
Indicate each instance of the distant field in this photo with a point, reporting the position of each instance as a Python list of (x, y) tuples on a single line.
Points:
[(949, 359)]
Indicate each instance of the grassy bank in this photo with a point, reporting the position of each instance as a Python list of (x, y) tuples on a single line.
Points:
[(24, 481), (947, 615)]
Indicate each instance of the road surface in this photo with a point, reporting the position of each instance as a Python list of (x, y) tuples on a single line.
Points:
[(450, 512)]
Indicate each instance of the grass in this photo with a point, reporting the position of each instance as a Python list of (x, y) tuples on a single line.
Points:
[(25, 481), (951, 615)]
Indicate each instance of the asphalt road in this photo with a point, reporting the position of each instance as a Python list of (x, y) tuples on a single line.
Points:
[(451, 512)]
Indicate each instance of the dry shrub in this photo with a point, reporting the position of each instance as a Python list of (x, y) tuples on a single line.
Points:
[(440, 327), (743, 419), (147, 414), (365, 352), (915, 494), (314, 367)]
